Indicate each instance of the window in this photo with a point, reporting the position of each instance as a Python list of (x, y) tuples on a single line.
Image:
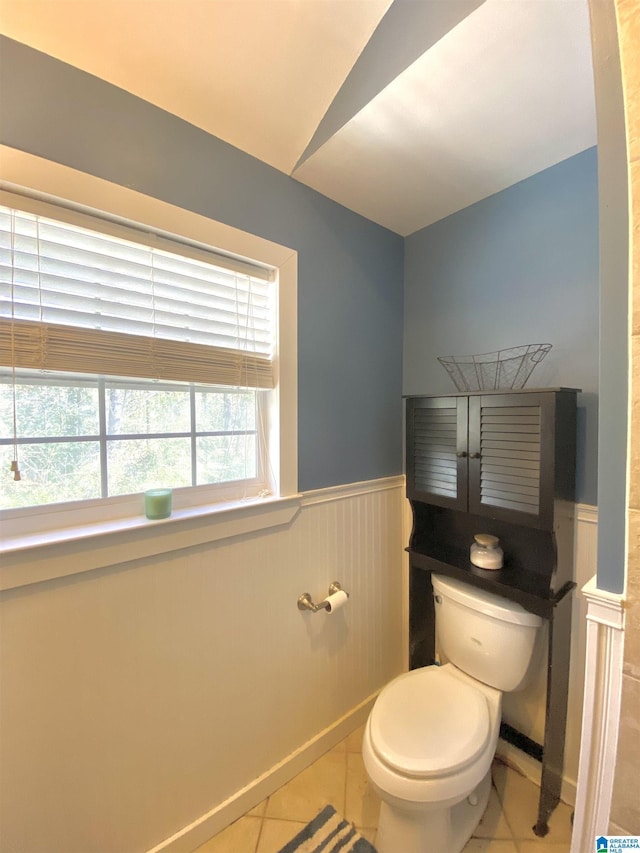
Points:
[(177, 434), (129, 360)]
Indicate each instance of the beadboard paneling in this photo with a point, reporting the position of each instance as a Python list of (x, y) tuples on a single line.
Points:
[(135, 698), (139, 700)]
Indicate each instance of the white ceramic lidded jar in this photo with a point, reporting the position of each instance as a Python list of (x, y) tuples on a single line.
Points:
[(486, 552)]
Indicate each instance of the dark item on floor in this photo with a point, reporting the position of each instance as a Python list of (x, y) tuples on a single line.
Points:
[(330, 833)]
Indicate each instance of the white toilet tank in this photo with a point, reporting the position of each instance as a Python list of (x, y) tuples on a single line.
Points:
[(489, 637)]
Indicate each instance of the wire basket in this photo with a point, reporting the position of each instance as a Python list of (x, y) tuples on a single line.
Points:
[(490, 371)]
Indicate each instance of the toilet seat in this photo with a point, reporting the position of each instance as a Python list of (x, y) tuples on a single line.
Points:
[(429, 723)]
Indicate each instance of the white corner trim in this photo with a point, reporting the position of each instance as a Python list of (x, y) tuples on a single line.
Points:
[(605, 608), (601, 714)]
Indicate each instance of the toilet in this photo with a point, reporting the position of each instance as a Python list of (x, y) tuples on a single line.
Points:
[(432, 732)]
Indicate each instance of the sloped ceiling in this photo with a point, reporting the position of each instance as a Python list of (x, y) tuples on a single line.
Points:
[(403, 111)]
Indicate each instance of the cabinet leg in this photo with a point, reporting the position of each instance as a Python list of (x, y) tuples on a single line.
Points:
[(556, 716), (421, 619), (541, 829)]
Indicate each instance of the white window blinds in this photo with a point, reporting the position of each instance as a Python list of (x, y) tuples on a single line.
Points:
[(82, 300)]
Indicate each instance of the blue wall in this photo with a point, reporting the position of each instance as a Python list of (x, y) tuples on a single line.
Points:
[(518, 267), (350, 270)]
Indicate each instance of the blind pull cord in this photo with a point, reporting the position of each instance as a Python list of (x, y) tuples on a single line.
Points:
[(14, 467)]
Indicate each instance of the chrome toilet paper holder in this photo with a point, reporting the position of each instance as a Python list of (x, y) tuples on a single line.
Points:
[(305, 602)]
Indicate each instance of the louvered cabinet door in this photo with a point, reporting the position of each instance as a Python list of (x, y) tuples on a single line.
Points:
[(511, 458), (437, 451)]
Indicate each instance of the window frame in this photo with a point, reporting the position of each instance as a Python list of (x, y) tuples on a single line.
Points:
[(53, 524)]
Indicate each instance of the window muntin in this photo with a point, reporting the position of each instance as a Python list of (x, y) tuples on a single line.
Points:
[(82, 437)]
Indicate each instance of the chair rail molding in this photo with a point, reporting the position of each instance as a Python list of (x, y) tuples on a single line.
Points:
[(600, 716)]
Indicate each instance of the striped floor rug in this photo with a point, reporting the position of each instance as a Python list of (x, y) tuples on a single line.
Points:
[(328, 833)]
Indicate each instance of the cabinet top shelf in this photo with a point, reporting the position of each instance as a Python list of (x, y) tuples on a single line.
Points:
[(532, 591), (497, 391)]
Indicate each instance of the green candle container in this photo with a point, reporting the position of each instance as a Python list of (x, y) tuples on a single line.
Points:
[(157, 503)]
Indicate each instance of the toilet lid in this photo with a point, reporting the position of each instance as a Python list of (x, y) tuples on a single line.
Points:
[(428, 722)]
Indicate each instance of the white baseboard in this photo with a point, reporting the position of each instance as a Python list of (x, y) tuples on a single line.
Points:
[(196, 833)]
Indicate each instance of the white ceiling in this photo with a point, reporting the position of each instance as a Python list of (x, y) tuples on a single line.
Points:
[(404, 112)]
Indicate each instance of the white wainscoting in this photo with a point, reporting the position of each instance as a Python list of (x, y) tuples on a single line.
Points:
[(147, 704)]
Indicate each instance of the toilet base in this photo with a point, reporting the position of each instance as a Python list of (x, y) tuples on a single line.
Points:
[(416, 830)]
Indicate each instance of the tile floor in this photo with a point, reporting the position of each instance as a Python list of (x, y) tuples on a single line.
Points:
[(339, 778)]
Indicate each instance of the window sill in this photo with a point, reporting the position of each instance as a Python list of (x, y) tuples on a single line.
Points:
[(72, 550)]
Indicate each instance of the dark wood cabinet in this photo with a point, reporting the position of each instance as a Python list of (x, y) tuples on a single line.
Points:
[(493, 454), (500, 463), (437, 450)]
